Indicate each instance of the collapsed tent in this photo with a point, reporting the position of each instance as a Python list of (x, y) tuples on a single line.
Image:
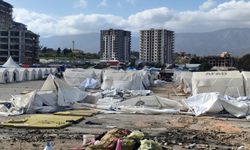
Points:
[(215, 103), (225, 82), (13, 75), (10, 63), (75, 77), (122, 80), (4, 75), (54, 95)]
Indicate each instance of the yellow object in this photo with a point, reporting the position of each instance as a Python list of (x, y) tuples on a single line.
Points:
[(43, 121), (83, 112)]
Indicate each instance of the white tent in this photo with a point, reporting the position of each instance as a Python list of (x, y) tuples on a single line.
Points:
[(75, 77), (32, 73), (45, 72), (53, 71), (10, 63), (13, 74), (246, 76), (122, 80), (39, 73), (225, 82), (185, 81), (4, 75), (23, 74)]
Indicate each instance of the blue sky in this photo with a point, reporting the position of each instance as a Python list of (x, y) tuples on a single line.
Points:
[(118, 7), (63, 17)]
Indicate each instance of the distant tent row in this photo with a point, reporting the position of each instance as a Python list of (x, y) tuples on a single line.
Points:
[(110, 79), (231, 83), (11, 72), (9, 75)]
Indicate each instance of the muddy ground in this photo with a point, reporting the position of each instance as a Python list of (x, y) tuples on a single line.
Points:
[(173, 131)]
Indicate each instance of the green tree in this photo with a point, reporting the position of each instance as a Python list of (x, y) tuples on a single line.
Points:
[(58, 52), (205, 66), (244, 63)]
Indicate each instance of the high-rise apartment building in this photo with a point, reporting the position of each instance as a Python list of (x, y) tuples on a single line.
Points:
[(115, 45), (156, 46), (15, 39)]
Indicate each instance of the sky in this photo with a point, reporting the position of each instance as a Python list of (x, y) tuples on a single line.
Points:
[(64, 17)]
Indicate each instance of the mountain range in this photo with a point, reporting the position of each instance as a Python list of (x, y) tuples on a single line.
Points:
[(234, 40)]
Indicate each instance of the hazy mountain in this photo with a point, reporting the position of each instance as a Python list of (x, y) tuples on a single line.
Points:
[(236, 41)]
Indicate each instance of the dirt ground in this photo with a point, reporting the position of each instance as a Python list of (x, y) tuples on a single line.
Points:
[(173, 131)]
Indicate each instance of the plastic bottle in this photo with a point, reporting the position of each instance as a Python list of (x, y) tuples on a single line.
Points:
[(48, 146)]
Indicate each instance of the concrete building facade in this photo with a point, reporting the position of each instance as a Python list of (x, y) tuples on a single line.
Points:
[(15, 39), (157, 46), (223, 60), (115, 45)]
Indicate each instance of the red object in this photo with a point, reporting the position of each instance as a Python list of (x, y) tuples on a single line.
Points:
[(25, 65), (113, 62)]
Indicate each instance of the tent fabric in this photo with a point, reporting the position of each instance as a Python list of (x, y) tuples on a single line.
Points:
[(4, 75), (185, 81), (215, 103), (122, 80), (204, 103), (75, 77), (237, 107), (45, 72), (89, 83), (246, 77), (225, 82), (10, 63), (66, 94), (32, 73), (39, 73), (13, 75), (23, 74)]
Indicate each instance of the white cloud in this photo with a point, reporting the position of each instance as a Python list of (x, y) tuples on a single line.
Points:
[(81, 4), (103, 3), (231, 14), (207, 5)]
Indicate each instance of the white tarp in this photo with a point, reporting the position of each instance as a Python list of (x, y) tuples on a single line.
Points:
[(4, 75), (75, 77), (122, 80), (89, 83), (225, 82), (204, 103), (23, 74), (10, 63), (237, 107), (13, 75)]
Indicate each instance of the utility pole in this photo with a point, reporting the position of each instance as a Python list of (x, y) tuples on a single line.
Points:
[(73, 42)]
